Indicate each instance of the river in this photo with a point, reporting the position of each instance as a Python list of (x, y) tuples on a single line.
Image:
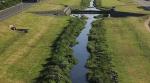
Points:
[(80, 52)]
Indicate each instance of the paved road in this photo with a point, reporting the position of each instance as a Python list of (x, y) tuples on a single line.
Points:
[(4, 14)]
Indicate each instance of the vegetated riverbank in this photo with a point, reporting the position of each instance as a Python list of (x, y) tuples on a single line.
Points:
[(61, 61), (99, 63), (128, 41)]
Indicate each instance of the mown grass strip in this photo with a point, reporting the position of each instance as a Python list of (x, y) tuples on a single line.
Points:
[(59, 64), (99, 63), (129, 42)]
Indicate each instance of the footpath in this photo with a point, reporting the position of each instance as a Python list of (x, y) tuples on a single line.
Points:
[(8, 12)]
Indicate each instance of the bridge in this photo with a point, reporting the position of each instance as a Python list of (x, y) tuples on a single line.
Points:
[(89, 12)]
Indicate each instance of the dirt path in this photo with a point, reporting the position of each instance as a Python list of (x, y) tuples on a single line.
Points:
[(147, 24)]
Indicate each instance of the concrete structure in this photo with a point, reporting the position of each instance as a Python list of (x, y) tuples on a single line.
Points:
[(67, 11)]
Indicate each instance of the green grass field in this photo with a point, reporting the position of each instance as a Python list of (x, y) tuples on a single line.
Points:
[(123, 5), (129, 43), (22, 54)]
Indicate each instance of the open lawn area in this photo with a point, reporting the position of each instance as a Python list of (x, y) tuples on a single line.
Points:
[(123, 5), (22, 54), (130, 45), (129, 42)]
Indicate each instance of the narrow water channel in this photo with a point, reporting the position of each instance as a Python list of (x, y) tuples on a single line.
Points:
[(80, 52)]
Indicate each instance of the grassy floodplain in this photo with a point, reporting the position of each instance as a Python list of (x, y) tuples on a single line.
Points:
[(128, 41), (22, 54)]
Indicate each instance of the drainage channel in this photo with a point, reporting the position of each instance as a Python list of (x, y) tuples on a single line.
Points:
[(80, 52)]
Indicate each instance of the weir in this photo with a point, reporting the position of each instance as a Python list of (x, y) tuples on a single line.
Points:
[(89, 12)]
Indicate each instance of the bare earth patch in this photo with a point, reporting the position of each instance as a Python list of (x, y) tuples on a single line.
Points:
[(147, 24)]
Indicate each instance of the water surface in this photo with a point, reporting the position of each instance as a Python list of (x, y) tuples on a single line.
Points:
[(79, 71)]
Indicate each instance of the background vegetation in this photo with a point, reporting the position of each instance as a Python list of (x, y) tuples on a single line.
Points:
[(7, 3)]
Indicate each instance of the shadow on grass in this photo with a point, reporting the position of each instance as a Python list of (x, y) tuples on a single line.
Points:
[(30, 1), (22, 30), (147, 8), (48, 13), (119, 14), (125, 14)]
